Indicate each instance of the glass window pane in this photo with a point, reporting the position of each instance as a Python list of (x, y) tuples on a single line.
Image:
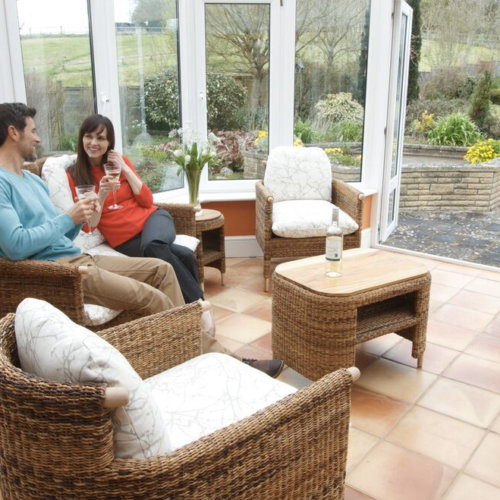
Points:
[(331, 54), (57, 68), (148, 74), (237, 58), (399, 105)]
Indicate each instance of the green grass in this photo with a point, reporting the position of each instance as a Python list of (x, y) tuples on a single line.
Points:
[(67, 58)]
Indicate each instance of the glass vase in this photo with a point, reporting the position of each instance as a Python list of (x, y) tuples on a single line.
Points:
[(193, 179)]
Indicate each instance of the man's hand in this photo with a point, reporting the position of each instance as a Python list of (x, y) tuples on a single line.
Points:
[(83, 210)]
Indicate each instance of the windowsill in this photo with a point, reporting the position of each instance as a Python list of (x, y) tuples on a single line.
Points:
[(181, 196)]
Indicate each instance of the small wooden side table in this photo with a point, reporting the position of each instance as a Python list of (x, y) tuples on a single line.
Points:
[(318, 321), (211, 250)]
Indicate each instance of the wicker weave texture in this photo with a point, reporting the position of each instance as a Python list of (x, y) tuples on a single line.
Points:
[(345, 196), (56, 439), (316, 333)]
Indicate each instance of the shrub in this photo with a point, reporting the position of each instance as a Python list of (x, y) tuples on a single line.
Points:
[(423, 126), (447, 83), (225, 96), (344, 131), (436, 107), (338, 155), (303, 131), (483, 151), (455, 130), (161, 94), (339, 107), (480, 101)]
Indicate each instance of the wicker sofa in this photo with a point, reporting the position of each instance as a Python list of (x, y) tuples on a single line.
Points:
[(63, 282), (56, 438)]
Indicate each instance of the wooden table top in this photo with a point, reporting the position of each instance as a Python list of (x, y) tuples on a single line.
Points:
[(207, 214), (363, 269)]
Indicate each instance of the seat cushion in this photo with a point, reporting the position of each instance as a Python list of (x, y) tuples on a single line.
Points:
[(209, 392), (307, 219), (52, 347), (296, 173)]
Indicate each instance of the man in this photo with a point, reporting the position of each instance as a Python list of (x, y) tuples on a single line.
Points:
[(31, 228)]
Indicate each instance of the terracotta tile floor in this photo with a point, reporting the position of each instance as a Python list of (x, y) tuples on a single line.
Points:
[(427, 434)]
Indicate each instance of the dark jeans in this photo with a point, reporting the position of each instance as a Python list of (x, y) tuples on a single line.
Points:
[(157, 240)]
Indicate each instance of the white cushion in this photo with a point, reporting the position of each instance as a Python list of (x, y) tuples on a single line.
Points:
[(209, 392), (52, 347), (307, 219), (298, 173)]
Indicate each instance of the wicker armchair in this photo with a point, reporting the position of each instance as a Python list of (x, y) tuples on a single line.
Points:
[(56, 439), (62, 282), (345, 196)]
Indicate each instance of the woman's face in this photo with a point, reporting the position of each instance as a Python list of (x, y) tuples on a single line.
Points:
[(96, 144)]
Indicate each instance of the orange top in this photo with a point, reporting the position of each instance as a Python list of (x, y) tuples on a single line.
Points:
[(118, 226)]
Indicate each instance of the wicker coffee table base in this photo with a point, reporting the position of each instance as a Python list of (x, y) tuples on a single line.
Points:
[(316, 334)]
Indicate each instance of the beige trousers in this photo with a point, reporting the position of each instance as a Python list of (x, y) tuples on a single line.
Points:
[(142, 285)]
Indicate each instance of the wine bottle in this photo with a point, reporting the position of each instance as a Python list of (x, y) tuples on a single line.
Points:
[(333, 247)]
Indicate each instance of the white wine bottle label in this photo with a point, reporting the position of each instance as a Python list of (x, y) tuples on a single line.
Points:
[(333, 248)]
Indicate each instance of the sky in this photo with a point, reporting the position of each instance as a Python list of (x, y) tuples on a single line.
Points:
[(51, 16)]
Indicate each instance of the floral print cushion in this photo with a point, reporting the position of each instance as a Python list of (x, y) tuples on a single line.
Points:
[(298, 173), (209, 392), (307, 219), (52, 347)]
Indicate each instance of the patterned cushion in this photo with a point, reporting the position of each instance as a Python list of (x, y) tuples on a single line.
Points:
[(52, 347), (307, 219), (209, 392), (294, 173)]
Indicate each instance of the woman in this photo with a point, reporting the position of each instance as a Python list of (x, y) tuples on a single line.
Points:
[(138, 229)]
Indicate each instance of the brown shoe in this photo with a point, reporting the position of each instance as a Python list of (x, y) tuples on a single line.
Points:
[(271, 367)]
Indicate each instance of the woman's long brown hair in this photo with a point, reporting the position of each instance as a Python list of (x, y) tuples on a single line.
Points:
[(80, 171)]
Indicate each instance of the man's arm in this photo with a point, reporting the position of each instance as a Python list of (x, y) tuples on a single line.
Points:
[(28, 226)]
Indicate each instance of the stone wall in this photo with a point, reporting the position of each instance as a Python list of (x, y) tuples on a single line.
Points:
[(452, 188)]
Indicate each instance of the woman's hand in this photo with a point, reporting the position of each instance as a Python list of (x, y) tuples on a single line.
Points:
[(134, 181), (108, 184)]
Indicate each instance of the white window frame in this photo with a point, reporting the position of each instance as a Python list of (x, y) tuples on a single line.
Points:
[(192, 68)]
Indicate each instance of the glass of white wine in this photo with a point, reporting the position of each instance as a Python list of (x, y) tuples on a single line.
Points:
[(113, 171), (86, 191)]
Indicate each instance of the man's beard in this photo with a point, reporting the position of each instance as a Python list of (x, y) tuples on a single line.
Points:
[(30, 156)]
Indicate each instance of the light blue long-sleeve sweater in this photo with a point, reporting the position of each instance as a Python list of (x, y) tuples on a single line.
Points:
[(30, 227)]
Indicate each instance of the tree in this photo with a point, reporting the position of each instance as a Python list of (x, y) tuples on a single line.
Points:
[(153, 11), (416, 46), (480, 101)]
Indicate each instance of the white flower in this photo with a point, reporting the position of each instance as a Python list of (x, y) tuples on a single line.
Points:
[(187, 158), (177, 153)]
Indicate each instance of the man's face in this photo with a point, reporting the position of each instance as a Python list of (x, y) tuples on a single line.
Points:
[(29, 140)]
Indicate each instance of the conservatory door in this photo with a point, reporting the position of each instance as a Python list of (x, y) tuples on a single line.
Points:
[(242, 86), (401, 38)]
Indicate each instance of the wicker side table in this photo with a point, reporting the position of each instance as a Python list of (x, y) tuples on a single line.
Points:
[(211, 250), (318, 321)]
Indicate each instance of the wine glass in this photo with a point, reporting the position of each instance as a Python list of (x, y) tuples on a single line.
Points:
[(114, 171), (82, 192)]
